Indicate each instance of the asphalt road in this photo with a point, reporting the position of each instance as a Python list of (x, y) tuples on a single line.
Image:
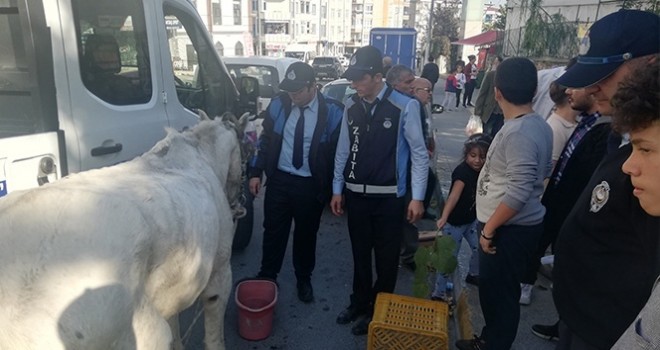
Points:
[(312, 326)]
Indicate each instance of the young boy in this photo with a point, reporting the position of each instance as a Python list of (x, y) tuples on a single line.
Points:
[(508, 203), (636, 111)]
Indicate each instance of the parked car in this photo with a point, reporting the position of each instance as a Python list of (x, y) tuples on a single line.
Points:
[(269, 71), (339, 89), (327, 67)]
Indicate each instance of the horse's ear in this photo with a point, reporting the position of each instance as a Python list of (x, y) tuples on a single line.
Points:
[(242, 123), (203, 115)]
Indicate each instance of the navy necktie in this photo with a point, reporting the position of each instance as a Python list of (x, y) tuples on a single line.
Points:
[(368, 106), (298, 139)]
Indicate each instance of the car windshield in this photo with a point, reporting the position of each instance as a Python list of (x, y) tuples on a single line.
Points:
[(266, 75), (323, 60), (339, 92)]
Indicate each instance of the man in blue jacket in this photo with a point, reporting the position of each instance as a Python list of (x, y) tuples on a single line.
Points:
[(296, 151)]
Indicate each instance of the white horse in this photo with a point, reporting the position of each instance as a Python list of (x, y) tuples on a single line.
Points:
[(102, 259)]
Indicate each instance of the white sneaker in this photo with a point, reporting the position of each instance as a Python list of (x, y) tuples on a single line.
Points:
[(525, 294)]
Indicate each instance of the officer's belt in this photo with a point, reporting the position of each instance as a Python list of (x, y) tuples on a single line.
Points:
[(371, 189)]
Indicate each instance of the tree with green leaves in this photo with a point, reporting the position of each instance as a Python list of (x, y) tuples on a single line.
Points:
[(547, 35), (552, 35), (445, 30), (644, 5)]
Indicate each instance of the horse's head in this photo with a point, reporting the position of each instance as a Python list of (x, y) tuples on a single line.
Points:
[(222, 140)]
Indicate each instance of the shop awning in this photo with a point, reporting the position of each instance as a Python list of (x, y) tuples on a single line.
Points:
[(484, 38)]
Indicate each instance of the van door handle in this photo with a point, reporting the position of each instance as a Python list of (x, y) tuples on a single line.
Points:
[(103, 150)]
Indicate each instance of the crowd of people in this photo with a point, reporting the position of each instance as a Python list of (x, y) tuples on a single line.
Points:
[(570, 181)]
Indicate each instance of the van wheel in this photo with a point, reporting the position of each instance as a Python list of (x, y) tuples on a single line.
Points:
[(246, 224)]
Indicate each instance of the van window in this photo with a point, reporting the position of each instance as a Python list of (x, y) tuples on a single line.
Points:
[(27, 87), (202, 82), (113, 49)]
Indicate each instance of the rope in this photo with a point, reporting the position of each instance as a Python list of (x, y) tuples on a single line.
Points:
[(188, 332)]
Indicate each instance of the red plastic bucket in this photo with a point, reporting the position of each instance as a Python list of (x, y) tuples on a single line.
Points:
[(255, 300)]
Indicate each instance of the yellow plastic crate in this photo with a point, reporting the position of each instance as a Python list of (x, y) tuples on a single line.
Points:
[(407, 323)]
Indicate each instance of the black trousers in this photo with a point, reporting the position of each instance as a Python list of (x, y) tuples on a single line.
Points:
[(499, 282), (290, 198), (571, 341), (547, 239), (469, 90), (374, 224), (494, 124)]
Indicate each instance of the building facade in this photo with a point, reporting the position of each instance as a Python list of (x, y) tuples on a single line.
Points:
[(228, 23)]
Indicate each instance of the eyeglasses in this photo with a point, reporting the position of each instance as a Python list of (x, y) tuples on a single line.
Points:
[(424, 89)]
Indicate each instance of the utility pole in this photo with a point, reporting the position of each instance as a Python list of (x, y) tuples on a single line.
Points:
[(209, 17), (320, 46), (362, 26), (258, 28)]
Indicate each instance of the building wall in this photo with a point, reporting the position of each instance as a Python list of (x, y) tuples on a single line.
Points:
[(231, 34), (471, 24), (583, 11)]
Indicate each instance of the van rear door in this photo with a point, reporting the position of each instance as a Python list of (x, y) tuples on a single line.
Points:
[(31, 147)]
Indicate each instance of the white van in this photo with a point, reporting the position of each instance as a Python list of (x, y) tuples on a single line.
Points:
[(301, 52), (87, 84)]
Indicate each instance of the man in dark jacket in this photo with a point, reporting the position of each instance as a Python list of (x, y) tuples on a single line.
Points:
[(606, 254), (431, 72), (583, 152), (296, 151), (381, 134)]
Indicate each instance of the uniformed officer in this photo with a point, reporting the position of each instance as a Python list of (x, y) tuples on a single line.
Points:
[(296, 151), (380, 134)]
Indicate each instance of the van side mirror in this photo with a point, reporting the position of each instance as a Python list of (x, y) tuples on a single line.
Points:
[(248, 88)]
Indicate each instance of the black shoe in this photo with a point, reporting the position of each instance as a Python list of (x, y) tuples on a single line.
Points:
[(362, 326), (349, 315), (471, 344), (266, 276), (305, 291), (546, 332), (472, 279), (261, 276), (464, 106), (470, 104)]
